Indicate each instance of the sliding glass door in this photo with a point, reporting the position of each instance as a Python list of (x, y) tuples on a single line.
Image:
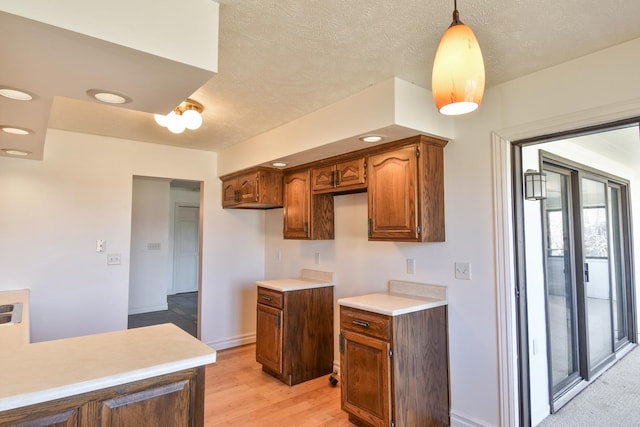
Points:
[(562, 314), (586, 283)]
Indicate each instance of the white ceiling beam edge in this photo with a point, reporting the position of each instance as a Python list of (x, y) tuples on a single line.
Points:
[(392, 108), (184, 31)]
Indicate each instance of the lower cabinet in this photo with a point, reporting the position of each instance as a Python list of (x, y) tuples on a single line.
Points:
[(395, 369), (175, 400), (294, 333)]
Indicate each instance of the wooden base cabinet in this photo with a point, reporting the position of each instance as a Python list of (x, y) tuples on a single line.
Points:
[(395, 369), (294, 333), (175, 400)]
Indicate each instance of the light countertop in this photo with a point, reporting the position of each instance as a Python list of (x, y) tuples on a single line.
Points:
[(402, 298), (309, 279), (285, 285), (50, 370)]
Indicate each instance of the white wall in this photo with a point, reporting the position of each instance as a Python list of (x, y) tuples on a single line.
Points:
[(150, 223), (54, 210)]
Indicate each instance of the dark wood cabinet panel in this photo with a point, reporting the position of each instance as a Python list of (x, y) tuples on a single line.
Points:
[(365, 372), (345, 176), (257, 188), (306, 216), (175, 399), (406, 192), (302, 335), (269, 338), (402, 379), (393, 195), (163, 405)]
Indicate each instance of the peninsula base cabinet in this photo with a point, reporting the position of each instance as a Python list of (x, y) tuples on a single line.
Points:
[(175, 399), (395, 369), (294, 333)]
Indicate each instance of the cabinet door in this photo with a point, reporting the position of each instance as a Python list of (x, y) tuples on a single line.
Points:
[(365, 374), (247, 188), (43, 417), (297, 200), (351, 175), (393, 195), (269, 338), (322, 178), (167, 404), (342, 177), (230, 196)]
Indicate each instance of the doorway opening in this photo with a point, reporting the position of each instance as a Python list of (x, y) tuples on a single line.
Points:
[(576, 286), (165, 262)]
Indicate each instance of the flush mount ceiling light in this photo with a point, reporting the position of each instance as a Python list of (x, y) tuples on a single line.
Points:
[(187, 115), (279, 164), (458, 70), (108, 97), (371, 138), (16, 94), (14, 152), (16, 130)]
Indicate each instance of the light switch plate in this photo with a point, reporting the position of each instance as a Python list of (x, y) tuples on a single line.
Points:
[(463, 270)]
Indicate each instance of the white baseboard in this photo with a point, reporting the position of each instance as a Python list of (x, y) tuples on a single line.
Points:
[(232, 342), (460, 420), (150, 309)]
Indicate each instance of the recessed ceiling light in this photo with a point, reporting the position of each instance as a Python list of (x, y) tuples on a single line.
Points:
[(15, 130), (279, 164), (15, 152), (371, 138), (18, 95), (108, 97)]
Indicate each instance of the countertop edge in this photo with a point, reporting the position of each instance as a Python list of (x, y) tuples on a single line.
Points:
[(398, 312), (22, 400), (308, 284)]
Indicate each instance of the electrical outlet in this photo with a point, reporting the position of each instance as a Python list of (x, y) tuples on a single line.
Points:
[(317, 258), (101, 245), (113, 259), (463, 270), (411, 266)]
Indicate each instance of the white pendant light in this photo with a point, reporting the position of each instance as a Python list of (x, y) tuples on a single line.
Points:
[(458, 70)]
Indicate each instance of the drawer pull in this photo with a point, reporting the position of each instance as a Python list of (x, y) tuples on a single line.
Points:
[(266, 297), (361, 323)]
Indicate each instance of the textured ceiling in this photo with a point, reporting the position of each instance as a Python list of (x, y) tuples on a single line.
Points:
[(282, 59)]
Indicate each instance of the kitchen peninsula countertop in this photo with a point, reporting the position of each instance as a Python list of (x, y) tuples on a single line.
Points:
[(402, 298), (49, 370)]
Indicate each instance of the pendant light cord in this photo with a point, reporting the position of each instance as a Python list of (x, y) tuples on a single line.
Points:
[(456, 15)]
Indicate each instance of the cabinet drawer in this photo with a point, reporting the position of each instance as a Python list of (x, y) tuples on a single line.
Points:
[(365, 322), (269, 297)]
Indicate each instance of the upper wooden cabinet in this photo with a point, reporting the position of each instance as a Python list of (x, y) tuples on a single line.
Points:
[(257, 188), (345, 176), (406, 192), (306, 216)]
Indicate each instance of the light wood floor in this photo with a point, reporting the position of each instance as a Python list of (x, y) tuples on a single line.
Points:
[(238, 393)]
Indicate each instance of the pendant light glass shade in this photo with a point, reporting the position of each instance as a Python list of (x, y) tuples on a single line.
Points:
[(458, 70)]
